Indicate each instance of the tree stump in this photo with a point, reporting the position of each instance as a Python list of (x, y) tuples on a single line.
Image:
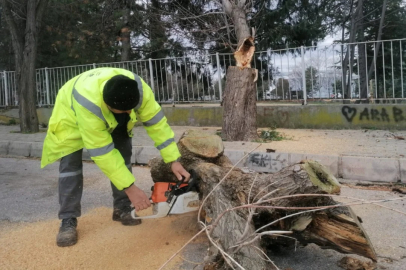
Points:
[(239, 105), (249, 213)]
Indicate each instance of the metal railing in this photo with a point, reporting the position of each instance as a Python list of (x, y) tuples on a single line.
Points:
[(8, 89), (340, 71)]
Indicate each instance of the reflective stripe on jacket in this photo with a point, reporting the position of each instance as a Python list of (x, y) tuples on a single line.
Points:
[(81, 119)]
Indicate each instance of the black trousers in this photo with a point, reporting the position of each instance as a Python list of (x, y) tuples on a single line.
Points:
[(70, 186)]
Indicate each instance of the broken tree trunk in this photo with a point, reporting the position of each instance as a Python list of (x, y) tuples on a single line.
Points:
[(239, 103), (248, 214), (239, 96)]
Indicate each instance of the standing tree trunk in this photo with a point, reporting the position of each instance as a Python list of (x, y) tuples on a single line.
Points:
[(348, 59), (240, 110), (239, 99), (378, 44), (125, 32), (157, 34), (363, 81), (25, 40)]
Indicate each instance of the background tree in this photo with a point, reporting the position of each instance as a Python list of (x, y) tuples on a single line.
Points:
[(361, 21), (282, 88), (289, 24), (388, 24), (312, 80), (6, 48), (86, 32), (24, 21), (125, 31)]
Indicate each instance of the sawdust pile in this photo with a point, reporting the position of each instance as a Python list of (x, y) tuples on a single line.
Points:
[(102, 244), (349, 263)]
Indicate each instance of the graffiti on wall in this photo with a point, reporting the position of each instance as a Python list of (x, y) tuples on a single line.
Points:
[(370, 114), (267, 162)]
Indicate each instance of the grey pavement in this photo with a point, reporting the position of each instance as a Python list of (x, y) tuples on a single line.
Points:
[(363, 155), (29, 194)]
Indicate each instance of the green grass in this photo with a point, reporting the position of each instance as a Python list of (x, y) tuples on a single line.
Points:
[(11, 122), (270, 135)]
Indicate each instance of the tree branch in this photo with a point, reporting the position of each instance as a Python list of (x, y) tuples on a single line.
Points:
[(228, 31), (198, 16), (228, 7), (41, 5), (13, 27), (209, 30), (241, 3)]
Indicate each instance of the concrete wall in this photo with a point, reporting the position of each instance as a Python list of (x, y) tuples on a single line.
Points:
[(195, 116), (329, 116), (12, 114), (351, 116), (7, 115)]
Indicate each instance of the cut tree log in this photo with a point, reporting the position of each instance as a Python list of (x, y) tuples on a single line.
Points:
[(250, 214)]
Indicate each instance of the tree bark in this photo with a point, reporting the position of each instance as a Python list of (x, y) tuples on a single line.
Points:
[(125, 35), (26, 75), (245, 231), (378, 44), (24, 39), (362, 70), (349, 57), (239, 17), (239, 103), (363, 91), (157, 33)]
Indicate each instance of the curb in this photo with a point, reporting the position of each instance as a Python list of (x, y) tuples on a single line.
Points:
[(360, 168)]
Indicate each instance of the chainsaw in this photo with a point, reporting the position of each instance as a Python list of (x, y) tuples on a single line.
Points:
[(173, 198)]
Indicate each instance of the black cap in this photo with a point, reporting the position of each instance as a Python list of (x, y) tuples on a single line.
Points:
[(121, 93)]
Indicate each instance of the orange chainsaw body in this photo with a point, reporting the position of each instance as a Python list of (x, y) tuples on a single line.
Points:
[(160, 189)]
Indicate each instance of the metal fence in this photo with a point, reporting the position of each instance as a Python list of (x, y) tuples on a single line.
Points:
[(8, 89), (339, 71)]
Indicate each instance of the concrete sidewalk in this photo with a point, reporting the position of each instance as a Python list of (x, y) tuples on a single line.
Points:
[(365, 155)]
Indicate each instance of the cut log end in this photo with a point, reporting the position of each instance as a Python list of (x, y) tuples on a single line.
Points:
[(320, 176), (202, 144)]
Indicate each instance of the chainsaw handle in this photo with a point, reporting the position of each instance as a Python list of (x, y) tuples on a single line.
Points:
[(180, 182), (191, 185), (150, 200), (133, 215)]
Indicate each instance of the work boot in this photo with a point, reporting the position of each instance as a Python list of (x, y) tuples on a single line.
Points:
[(124, 215), (67, 235)]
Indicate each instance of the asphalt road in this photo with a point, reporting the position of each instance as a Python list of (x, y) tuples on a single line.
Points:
[(29, 194)]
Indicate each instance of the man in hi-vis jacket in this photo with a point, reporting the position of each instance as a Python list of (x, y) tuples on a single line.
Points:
[(97, 110)]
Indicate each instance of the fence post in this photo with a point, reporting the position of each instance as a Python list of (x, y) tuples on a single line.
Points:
[(47, 86), (304, 76), (151, 75), (219, 76), (94, 65), (5, 87)]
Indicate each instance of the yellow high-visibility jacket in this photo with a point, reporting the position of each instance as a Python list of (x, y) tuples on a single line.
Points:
[(81, 119)]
